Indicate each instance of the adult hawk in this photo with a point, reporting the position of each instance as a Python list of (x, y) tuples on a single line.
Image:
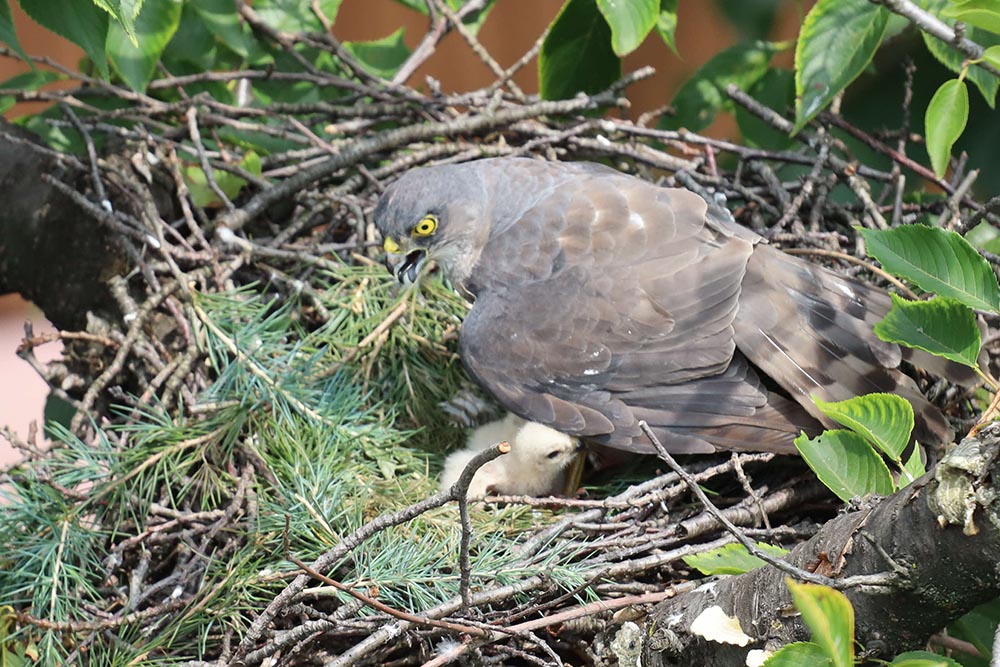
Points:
[(602, 300)]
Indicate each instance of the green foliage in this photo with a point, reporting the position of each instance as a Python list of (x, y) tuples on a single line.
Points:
[(944, 122), (577, 54), (799, 654), (978, 627), (630, 21), (845, 463), (382, 57), (956, 61), (983, 14), (823, 67), (134, 57), (885, 420), (923, 659), (938, 261), (830, 617), (731, 559), (201, 192), (32, 80), (82, 23), (666, 23), (941, 326), (7, 33), (703, 95)]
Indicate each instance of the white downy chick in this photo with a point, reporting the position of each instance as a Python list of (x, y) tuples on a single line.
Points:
[(534, 466)]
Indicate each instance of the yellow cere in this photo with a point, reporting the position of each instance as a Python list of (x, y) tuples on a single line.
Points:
[(390, 246), (426, 226)]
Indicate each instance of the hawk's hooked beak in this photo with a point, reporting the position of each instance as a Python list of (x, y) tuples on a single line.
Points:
[(406, 268)]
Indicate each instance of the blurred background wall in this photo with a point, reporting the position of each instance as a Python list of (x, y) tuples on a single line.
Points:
[(512, 27)]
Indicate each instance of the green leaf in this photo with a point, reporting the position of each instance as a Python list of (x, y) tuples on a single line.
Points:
[(954, 59), (845, 463), (704, 94), (824, 63), (945, 121), (8, 35), (983, 14), (225, 24), (81, 22), (977, 627), (775, 90), (938, 261), (829, 615), (666, 23), (913, 467), (941, 326), (922, 659), (630, 22), (753, 19), (799, 654), (731, 559), (203, 195), (124, 13), (295, 15), (577, 55), (155, 27), (991, 56), (32, 80), (382, 57), (884, 420)]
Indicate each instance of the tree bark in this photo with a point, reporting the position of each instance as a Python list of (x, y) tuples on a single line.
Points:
[(942, 534), (51, 251)]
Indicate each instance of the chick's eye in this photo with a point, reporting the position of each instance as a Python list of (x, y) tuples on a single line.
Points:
[(553, 454), (426, 226)]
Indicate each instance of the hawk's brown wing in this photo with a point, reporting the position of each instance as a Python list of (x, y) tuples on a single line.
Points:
[(613, 300)]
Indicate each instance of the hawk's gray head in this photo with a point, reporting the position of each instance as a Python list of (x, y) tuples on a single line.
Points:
[(434, 213)]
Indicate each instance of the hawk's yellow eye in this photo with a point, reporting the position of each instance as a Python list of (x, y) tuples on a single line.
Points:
[(390, 246), (426, 226)]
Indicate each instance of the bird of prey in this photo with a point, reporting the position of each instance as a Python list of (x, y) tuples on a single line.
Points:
[(535, 465), (602, 299)]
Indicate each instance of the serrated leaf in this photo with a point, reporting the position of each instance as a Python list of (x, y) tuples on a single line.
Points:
[(630, 21), (576, 55), (704, 94), (938, 261), (944, 122), (154, 27), (666, 23), (823, 66), (954, 59), (382, 57), (8, 35), (941, 326), (845, 463), (731, 559), (799, 654), (923, 659), (81, 22), (884, 420), (983, 14), (829, 615)]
